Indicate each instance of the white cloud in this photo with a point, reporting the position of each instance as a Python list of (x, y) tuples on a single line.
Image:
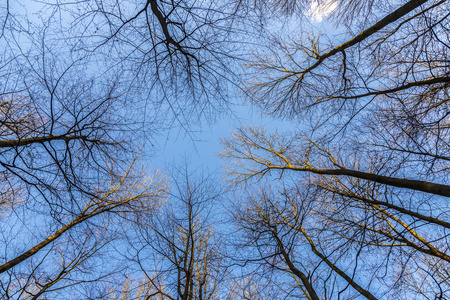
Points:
[(320, 9)]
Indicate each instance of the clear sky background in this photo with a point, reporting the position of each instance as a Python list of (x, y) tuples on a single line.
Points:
[(201, 148)]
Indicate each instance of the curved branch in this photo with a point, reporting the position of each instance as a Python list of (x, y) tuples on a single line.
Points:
[(392, 17), (418, 185), (21, 258), (341, 273), (40, 139), (164, 26), (390, 206), (431, 81), (297, 272)]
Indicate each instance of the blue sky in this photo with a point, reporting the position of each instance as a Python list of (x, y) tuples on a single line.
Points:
[(202, 147)]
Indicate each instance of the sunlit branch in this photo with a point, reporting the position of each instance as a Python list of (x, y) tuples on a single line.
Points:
[(392, 17)]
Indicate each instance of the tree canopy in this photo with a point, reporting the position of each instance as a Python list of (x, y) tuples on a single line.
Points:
[(348, 201)]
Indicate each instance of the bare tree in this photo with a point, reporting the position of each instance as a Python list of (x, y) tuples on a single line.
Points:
[(177, 57), (79, 239), (386, 85), (82, 86), (69, 170), (178, 250), (371, 150), (353, 211), (300, 75)]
